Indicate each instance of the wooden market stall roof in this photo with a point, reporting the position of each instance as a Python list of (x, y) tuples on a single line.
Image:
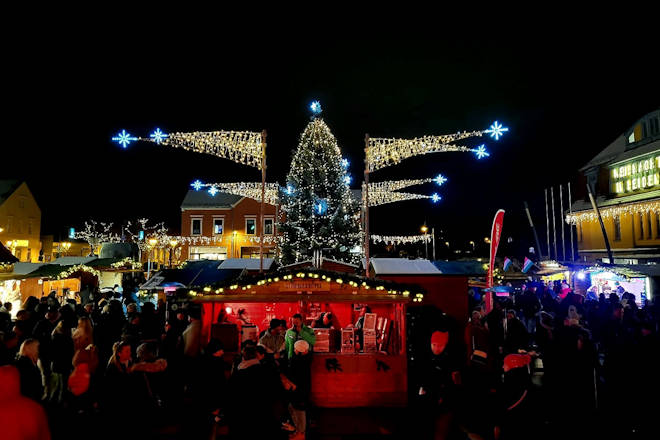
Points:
[(6, 257), (311, 284)]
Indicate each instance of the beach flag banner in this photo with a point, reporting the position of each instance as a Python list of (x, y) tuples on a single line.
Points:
[(495, 235), (527, 265), (507, 264)]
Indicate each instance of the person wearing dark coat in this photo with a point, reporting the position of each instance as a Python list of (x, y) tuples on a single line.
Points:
[(251, 391), (31, 382)]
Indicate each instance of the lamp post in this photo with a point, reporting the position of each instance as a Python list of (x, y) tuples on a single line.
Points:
[(424, 230), (152, 243), (173, 244)]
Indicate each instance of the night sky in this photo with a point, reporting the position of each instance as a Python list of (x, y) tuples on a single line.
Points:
[(564, 100)]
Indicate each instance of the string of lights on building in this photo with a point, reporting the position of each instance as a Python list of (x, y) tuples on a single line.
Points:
[(400, 239), (614, 211)]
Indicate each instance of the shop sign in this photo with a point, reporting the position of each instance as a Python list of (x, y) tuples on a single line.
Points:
[(304, 286), (638, 175)]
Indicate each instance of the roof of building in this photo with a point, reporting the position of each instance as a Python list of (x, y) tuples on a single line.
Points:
[(194, 273), (7, 188), (26, 268), (72, 261), (402, 266), (245, 263), (6, 256), (202, 199), (469, 268)]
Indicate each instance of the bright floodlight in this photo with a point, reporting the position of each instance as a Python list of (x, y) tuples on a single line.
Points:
[(158, 136), (581, 275), (481, 152), (124, 138), (440, 179), (197, 185), (496, 130)]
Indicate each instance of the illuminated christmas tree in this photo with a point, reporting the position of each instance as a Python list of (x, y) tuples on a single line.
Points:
[(319, 211)]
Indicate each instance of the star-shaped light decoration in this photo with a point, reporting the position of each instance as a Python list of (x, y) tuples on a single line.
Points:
[(345, 163), (213, 191), (440, 179), (321, 207), (436, 198), (124, 138), (315, 107), (481, 152), (348, 179), (197, 185), (289, 189), (496, 130), (158, 136)]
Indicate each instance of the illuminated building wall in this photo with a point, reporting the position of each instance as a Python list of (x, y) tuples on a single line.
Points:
[(20, 220)]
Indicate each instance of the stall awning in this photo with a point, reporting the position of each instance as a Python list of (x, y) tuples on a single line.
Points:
[(201, 272)]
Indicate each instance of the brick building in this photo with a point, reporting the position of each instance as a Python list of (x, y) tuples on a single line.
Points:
[(226, 226)]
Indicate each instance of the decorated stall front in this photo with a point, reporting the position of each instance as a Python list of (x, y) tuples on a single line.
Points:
[(360, 361)]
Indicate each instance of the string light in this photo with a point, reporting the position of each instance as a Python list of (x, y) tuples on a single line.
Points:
[(243, 147), (124, 138), (394, 185), (436, 198), (197, 185), (481, 152), (251, 190), (440, 179), (315, 107), (378, 198), (614, 211), (97, 233), (78, 268), (400, 239)]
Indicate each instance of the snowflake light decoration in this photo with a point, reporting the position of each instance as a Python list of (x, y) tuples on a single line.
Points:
[(213, 191), (316, 107), (124, 138), (289, 189), (348, 179), (436, 198), (197, 185), (496, 130), (345, 163), (158, 136), (440, 179), (481, 152)]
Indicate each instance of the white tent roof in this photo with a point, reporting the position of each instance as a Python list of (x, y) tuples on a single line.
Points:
[(402, 266), (71, 261), (245, 263)]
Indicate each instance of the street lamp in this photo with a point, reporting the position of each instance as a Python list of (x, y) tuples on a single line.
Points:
[(65, 246), (173, 244), (152, 243), (424, 230)]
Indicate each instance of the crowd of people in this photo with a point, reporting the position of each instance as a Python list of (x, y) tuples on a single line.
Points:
[(593, 358), (110, 360)]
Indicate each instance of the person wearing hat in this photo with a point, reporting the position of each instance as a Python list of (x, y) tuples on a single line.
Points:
[(513, 396), (438, 384), (299, 374)]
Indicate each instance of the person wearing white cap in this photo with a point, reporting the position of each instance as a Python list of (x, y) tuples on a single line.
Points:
[(300, 375)]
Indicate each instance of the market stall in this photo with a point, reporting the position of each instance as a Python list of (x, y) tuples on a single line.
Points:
[(349, 368), (591, 281)]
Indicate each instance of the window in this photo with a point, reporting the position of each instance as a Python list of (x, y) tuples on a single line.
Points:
[(649, 232), (196, 226), (218, 225), (657, 225), (29, 227), (580, 233), (21, 202), (10, 221), (250, 226), (29, 255), (18, 254), (617, 228), (641, 227), (268, 226)]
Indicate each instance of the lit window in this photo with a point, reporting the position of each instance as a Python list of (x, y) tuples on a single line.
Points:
[(268, 226), (218, 226), (196, 226), (617, 229), (250, 226), (649, 232), (641, 227)]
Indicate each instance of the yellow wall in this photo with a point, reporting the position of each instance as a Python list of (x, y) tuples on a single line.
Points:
[(591, 237), (20, 218)]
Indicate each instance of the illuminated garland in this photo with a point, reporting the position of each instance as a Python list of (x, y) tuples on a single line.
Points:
[(78, 268), (239, 146), (383, 152), (336, 278), (251, 190), (382, 197), (400, 239), (394, 185), (614, 211), (6, 267), (127, 262), (268, 239)]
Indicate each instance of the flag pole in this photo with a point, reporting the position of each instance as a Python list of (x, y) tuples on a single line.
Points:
[(561, 216), (263, 198), (531, 224), (554, 226), (547, 222), (570, 225), (366, 203)]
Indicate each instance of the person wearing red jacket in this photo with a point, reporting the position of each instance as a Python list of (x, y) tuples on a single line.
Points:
[(21, 418)]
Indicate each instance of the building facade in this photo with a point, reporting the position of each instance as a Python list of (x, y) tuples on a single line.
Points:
[(625, 182), (225, 226), (20, 220)]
